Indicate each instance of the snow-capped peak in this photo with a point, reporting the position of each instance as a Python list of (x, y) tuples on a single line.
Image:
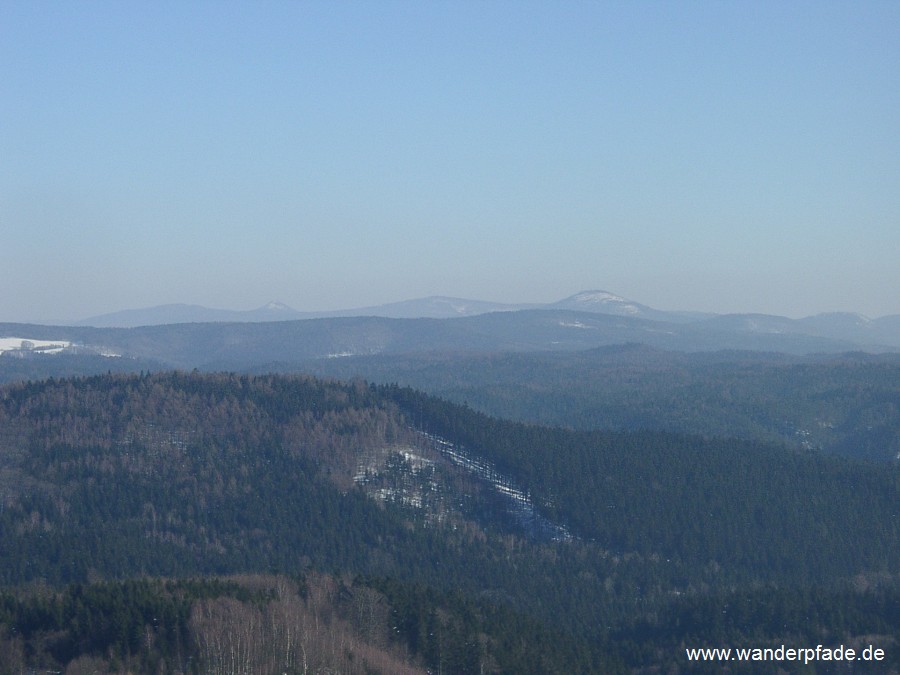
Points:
[(277, 307), (596, 297), (602, 302)]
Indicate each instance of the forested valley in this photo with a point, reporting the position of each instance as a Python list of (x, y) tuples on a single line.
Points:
[(159, 522), (846, 404)]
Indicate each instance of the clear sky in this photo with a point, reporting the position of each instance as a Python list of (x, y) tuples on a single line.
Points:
[(719, 156)]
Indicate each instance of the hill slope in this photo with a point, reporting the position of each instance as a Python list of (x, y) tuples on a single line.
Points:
[(184, 474)]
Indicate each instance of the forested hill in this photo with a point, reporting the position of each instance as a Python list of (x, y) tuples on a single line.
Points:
[(179, 474), (767, 511)]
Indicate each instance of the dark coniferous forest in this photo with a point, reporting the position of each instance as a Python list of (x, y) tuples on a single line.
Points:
[(154, 522)]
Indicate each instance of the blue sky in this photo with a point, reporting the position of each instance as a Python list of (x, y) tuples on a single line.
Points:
[(718, 156)]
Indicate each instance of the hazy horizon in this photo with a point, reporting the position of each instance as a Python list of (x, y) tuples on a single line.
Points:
[(325, 310), (717, 157)]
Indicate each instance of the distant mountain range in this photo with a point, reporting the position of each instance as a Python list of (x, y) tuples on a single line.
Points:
[(182, 313), (433, 307), (443, 307), (638, 323), (584, 321)]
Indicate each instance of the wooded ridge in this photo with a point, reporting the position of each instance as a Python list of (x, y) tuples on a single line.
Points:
[(167, 476)]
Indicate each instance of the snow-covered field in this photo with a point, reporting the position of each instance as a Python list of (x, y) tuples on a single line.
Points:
[(20, 344), (8, 344)]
